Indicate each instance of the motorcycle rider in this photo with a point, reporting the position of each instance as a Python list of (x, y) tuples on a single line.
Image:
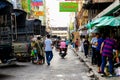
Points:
[(63, 46)]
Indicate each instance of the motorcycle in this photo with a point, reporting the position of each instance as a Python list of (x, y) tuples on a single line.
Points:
[(63, 52)]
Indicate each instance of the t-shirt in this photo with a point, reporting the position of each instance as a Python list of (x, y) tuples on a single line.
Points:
[(62, 44), (93, 41), (100, 40), (109, 45), (48, 45)]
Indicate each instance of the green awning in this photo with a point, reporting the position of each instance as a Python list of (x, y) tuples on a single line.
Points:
[(114, 22), (102, 19), (97, 21)]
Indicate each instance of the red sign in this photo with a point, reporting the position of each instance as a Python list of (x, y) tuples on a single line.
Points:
[(37, 3)]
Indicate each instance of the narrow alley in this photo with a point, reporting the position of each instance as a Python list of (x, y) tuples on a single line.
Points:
[(69, 68)]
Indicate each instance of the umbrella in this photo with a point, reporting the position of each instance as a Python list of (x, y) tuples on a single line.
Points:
[(99, 20), (114, 22)]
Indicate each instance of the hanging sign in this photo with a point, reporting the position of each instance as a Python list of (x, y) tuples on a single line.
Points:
[(39, 13), (68, 7), (37, 3)]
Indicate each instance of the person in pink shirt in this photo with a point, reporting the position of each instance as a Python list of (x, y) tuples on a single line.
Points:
[(63, 48), (62, 44)]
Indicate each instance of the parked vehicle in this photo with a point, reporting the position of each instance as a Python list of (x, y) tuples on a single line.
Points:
[(24, 30), (15, 32), (6, 48), (21, 41)]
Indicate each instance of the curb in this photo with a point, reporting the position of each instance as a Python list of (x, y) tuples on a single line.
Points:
[(95, 73)]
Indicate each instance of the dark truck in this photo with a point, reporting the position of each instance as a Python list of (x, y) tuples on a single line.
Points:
[(21, 39), (25, 29), (6, 48)]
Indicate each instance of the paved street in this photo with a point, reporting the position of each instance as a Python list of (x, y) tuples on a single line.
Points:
[(69, 68)]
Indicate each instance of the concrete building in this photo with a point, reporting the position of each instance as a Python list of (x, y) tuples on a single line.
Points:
[(60, 31), (90, 10)]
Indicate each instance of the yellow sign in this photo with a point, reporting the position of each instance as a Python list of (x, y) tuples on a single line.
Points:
[(39, 13)]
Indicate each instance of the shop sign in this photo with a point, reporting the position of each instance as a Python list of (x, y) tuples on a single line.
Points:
[(37, 3), (39, 13), (102, 1), (68, 7)]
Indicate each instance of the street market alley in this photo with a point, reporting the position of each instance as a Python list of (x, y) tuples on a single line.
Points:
[(69, 68)]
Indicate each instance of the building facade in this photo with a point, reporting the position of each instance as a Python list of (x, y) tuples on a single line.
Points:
[(96, 9), (60, 31)]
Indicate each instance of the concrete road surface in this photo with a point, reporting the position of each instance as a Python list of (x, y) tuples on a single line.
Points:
[(69, 68)]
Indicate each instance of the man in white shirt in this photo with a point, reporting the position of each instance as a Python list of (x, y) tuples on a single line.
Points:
[(48, 49)]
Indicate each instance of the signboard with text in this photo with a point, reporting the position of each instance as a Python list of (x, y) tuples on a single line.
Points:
[(39, 13), (37, 3), (68, 7)]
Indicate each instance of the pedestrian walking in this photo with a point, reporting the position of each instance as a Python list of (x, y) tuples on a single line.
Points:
[(107, 53), (40, 51), (99, 56), (48, 49), (93, 42), (86, 46)]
